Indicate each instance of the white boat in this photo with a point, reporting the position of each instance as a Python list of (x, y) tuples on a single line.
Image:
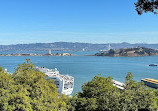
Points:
[(118, 84), (64, 83)]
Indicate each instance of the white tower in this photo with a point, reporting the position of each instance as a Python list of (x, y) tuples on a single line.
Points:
[(108, 47), (49, 52)]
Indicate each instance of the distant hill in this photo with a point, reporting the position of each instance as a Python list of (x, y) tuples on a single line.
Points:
[(129, 52), (70, 46)]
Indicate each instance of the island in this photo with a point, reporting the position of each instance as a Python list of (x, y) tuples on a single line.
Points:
[(129, 52), (34, 54)]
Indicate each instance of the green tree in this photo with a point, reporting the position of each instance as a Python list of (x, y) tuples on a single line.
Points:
[(83, 104), (1, 69), (135, 96), (98, 95), (12, 97), (28, 90)]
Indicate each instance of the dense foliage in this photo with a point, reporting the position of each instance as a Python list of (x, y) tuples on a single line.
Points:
[(27, 90), (146, 6), (100, 95)]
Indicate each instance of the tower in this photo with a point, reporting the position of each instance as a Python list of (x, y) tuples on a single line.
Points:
[(108, 47), (49, 52)]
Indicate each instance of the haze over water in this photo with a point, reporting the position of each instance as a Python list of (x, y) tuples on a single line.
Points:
[(84, 68)]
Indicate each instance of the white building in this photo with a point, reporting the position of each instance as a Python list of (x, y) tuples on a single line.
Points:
[(49, 52)]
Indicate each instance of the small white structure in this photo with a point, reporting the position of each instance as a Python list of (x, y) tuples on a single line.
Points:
[(108, 47), (118, 84), (66, 54), (49, 52), (64, 83)]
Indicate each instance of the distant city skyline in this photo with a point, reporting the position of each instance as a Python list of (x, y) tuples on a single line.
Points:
[(98, 21)]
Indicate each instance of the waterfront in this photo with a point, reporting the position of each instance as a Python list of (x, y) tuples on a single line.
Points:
[(84, 68)]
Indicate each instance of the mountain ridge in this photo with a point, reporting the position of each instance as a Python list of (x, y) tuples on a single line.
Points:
[(72, 46)]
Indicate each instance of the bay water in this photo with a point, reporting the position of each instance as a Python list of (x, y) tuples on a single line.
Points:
[(84, 68)]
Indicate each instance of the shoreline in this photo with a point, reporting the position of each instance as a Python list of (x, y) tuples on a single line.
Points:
[(20, 54), (37, 55)]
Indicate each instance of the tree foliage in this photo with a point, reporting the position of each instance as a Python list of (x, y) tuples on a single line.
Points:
[(28, 90), (100, 95), (136, 97), (146, 6)]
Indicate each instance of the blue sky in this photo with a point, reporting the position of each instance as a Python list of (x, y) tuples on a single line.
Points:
[(92, 21)]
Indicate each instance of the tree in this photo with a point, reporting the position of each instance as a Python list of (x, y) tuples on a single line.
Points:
[(12, 97), (1, 69), (146, 6), (135, 96), (98, 95), (28, 90)]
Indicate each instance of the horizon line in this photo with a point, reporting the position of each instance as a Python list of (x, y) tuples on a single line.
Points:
[(78, 42)]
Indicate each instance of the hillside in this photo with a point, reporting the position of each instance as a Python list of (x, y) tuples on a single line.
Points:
[(70, 46), (129, 52)]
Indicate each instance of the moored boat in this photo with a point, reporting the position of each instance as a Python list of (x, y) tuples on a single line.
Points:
[(150, 82), (153, 65)]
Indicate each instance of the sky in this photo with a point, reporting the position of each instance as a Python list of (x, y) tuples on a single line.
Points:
[(88, 21)]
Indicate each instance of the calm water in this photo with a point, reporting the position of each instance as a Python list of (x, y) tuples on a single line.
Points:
[(84, 68)]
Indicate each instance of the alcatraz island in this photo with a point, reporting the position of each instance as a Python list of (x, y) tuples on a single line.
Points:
[(129, 52)]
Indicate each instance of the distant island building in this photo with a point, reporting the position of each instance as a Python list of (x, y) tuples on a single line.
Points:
[(49, 52), (66, 54), (108, 47)]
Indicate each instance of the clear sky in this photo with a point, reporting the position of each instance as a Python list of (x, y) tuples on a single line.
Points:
[(92, 21)]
